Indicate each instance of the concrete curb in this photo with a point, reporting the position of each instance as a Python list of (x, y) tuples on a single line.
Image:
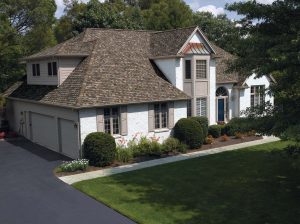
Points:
[(136, 166)]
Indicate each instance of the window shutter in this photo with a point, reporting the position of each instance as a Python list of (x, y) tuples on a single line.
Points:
[(100, 119), (124, 128), (171, 115), (150, 117)]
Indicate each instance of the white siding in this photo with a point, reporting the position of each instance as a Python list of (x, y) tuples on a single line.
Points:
[(43, 79), (137, 121), (212, 91), (245, 97), (172, 69), (66, 66)]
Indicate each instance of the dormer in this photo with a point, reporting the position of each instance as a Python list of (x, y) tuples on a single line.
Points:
[(50, 71)]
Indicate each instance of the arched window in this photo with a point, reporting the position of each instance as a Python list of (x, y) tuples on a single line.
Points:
[(221, 91)]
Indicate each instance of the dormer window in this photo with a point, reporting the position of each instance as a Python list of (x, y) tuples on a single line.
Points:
[(36, 70), (52, 69)]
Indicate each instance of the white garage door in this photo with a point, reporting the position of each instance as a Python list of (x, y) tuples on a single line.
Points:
[(44, 131), (69, 138)]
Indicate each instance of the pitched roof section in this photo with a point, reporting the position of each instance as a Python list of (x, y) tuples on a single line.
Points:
[(117, 71), (222, 60)]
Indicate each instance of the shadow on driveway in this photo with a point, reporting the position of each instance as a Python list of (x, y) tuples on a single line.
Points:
[(30, 193)]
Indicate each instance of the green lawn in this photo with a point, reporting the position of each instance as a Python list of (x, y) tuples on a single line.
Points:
[(257, 185)]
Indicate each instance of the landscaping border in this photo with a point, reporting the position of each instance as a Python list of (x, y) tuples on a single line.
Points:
[(136, 166)]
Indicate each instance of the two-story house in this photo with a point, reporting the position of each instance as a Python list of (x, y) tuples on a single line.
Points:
[(126, 83)]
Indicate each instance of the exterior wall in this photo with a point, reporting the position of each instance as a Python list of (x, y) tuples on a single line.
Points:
[(172, 69), (245, 94), (64, 68), (14, 109), (212, 91), (137, 122), (43, 79)]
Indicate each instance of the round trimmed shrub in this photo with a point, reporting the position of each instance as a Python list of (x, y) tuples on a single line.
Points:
[(99, 148), (214, 130), (189, 132), (203, 121)]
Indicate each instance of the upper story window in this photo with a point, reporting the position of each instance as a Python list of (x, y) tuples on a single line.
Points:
[(161, 115), (201, 106), (257, 95), (188, 69), (112, 120), (36, 70), (52, 69), (201, 69)]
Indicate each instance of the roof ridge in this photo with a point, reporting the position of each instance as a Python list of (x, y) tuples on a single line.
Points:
[(118, 29)]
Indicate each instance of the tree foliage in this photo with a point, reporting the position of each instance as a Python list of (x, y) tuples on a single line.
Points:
[(271, 46)]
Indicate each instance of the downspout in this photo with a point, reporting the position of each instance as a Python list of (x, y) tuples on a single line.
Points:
[(79, 136)]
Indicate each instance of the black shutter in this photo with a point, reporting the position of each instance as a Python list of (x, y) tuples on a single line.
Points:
[(49, 69), (38, 73), (54, 68), (33, 70)]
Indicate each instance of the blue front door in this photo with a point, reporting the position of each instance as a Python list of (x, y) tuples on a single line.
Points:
[(221, 109)]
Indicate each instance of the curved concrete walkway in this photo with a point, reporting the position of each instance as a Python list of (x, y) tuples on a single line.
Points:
[(136, 166), (31, 194)]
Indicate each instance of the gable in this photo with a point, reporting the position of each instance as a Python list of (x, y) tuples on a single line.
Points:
[(198, 42)]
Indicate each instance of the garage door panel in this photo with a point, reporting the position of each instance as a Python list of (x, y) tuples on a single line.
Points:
[(69, 138), (44, 131)]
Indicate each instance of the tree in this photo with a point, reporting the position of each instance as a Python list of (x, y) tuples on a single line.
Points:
[(109, 15), (168, 14), (219, 29), (26, 27), (272, 46)]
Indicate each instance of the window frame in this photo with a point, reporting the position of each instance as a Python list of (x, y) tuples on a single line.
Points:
[(206, 69), (52, 68), (160, 114), (190, 69), (111, 119), (35, 69), (257, 95), (200, 108)]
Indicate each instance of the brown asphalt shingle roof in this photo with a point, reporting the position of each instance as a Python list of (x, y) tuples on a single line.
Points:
[(117, 69)]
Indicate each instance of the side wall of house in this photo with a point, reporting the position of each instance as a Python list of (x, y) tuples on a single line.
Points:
[(137, 121), (55, 128), (245, 94)]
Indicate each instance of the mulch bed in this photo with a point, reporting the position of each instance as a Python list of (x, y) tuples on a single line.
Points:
[(216, 144)]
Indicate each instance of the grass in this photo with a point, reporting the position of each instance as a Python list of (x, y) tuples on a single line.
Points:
[(253, 185)]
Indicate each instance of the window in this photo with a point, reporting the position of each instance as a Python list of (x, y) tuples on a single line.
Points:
[(112, 120), (188, 70), (201, 69), (52, 69), (201, 107), (257, 95), (189, 108), (160, 115), (36, 70)]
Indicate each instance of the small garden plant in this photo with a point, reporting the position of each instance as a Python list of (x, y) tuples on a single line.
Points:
[(72, 166)]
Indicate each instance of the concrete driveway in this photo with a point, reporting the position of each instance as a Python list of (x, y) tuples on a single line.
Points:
[(30, 193)]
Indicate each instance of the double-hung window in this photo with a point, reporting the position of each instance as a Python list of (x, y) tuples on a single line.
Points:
[(201, 106), (257, 95), (160, 115), (201, 69), (52, 69), (36, 70), (112, 120)]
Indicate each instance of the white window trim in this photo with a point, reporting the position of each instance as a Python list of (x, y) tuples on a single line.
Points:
[(117, 135), (161, 129), (257, 94)]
